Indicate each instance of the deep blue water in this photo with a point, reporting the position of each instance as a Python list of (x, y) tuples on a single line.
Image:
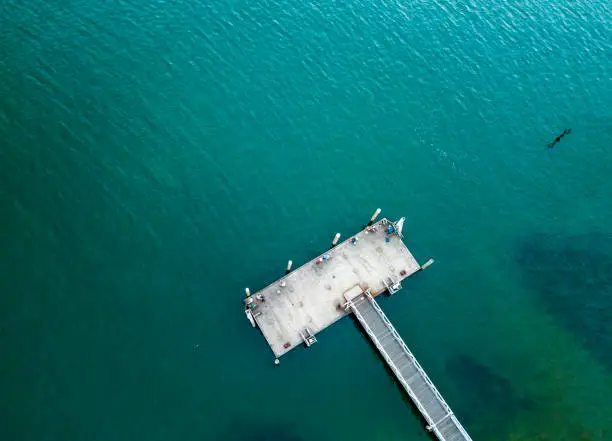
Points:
[(157, 157)]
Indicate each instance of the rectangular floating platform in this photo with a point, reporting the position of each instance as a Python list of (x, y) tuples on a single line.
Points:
[(346, 279), (292, 310)]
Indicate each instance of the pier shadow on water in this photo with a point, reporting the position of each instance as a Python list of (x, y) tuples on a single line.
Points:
[(572, 277), (490, 403), (405, 397)]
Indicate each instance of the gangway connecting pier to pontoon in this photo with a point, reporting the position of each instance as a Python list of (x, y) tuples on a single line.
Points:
[(343, 280)]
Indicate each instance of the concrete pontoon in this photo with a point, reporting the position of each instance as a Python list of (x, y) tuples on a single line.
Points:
[(312, 296), (346, 279)]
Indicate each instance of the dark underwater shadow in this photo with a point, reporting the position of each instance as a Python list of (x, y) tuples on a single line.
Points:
[(493, 402), (572, 278), (245, 429), (405, 397)]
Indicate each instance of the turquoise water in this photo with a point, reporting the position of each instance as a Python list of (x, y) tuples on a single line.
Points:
[(157, 157)]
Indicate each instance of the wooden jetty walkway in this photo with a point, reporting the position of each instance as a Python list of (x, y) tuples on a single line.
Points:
[(439, 416), (345, 279)]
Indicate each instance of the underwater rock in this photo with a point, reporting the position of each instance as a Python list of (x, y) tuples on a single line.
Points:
[(572, 277), (491, 399)]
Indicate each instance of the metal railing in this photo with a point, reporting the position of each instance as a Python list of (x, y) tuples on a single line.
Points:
[(453, 432)]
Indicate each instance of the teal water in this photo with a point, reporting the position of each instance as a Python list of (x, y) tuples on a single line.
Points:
[(157, 157)]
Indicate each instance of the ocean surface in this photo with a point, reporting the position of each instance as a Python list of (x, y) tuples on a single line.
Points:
[(158, 157)]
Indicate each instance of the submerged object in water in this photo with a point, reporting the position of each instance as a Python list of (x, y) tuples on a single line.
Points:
[(558, 138)]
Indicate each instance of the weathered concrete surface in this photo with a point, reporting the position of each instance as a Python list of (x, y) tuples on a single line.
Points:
[(312, 294)]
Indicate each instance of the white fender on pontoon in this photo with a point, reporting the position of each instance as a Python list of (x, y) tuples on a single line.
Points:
[(399, 225)]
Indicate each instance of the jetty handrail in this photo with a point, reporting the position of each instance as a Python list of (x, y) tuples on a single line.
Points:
[(408, 351), (390, 362), (432, 425)]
